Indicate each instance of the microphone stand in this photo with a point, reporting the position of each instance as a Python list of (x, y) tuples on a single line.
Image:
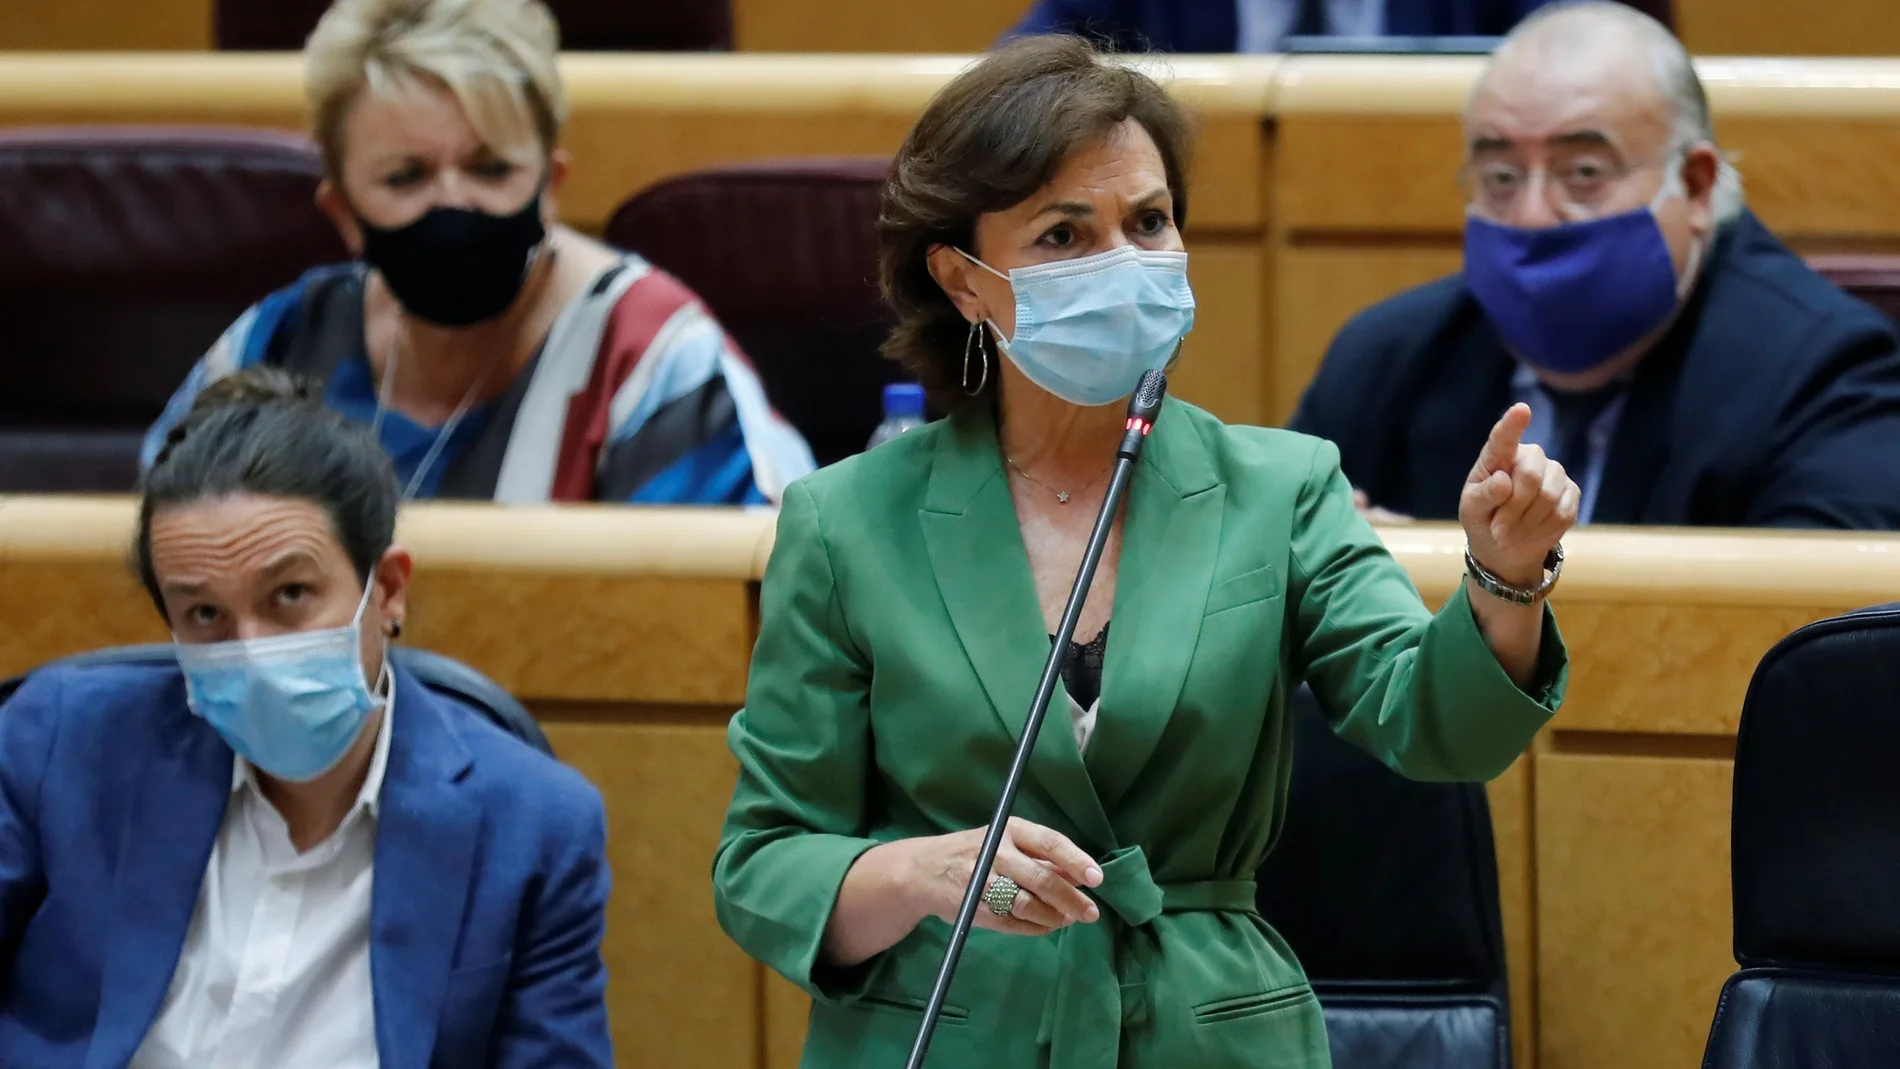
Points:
[(1143, 406)]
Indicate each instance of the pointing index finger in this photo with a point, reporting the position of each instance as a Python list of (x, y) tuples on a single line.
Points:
[(1500, 450)]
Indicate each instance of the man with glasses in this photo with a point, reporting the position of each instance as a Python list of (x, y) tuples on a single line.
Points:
[(1680, 362)]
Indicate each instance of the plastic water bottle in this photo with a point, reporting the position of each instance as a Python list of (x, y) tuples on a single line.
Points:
[(903, 411)]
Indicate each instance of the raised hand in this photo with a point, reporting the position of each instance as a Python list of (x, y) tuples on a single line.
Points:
[(1517, 503)]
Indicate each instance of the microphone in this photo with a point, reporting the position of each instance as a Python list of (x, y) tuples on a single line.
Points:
[(1143, 406)]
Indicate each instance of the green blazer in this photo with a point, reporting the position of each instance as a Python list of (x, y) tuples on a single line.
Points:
[(900, 643)]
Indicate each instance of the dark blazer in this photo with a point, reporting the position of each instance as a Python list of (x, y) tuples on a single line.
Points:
[(1773, 402), (486, 916), (1214, 26)]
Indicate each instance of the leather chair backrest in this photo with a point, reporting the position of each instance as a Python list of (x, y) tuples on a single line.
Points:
[(586, 25), (444, 675), (1874, 279), (785, 256), (1815, 853), (127, 252), (1387, 890), (458, 682)]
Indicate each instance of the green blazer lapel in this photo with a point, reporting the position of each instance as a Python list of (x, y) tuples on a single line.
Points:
[(976, 553), (1170, 541)]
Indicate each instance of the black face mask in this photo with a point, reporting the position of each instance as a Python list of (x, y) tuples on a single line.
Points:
[(456, 267)]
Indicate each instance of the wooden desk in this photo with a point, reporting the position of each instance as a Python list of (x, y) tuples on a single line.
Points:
[(1617, 852), (629, 630)]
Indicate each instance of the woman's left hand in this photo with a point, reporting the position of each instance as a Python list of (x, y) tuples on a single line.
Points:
[(1517, 503)]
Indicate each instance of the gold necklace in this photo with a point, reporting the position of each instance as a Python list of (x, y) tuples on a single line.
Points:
[(1062, 496)]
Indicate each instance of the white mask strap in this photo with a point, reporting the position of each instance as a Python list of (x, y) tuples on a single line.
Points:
[(1690, 267), (981, 264), (363, 602), (1672, 181), (992, 323), (1673, 187)]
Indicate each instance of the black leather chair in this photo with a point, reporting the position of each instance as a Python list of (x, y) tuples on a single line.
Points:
[(1388, 892), (784, 253), (445, 676), (1816, 854)]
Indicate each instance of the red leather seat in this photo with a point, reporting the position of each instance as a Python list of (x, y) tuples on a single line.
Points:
[(127, 252), (586, 25), (785, 255), (1874, 279)]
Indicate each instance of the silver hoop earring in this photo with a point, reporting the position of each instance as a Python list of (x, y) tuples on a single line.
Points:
[(982, 347)]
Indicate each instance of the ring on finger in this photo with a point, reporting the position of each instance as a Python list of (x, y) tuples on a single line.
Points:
[(1001, 895)]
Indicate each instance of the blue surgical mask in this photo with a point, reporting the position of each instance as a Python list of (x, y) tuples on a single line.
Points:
[(1087, 329), (292, 704), (1571, 298)]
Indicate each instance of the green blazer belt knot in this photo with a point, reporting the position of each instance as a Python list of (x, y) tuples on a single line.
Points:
[(1089, 988)]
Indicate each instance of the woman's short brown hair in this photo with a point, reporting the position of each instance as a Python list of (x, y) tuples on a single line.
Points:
[(992, 137)]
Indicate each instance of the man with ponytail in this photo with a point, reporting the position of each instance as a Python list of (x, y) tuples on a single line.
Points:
[(283, 851)]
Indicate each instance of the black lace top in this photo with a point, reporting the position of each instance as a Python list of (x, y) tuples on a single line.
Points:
[(1082, 668)]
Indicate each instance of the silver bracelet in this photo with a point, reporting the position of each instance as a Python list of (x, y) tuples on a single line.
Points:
[(1498, 588)]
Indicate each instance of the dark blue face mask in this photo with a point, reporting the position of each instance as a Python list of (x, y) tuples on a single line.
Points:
[(1571, 298)]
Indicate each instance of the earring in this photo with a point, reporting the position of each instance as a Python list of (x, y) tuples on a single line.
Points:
[(395, 629), (981, 344)]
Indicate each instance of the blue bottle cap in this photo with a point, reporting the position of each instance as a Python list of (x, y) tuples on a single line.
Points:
[(903, 399)]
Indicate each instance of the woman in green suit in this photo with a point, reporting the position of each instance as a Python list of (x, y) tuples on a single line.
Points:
[(1031, 250)]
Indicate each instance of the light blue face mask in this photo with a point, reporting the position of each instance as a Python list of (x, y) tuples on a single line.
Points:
[(1087, 329), (292, 704)]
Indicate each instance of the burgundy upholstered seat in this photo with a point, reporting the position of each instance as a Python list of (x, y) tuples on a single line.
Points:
[(785, 255), (127, 252)]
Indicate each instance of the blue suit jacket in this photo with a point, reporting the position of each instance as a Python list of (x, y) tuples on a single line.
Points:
[(486, 917), (1213, 25), (1774, 401)]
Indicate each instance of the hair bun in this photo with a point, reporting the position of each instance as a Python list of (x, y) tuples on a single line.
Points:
[(253, 387), (256, 386)]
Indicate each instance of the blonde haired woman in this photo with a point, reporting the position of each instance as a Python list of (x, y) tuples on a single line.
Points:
[(497, 353)]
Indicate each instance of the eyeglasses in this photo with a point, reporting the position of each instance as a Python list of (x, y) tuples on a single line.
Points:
[(1576, 189)]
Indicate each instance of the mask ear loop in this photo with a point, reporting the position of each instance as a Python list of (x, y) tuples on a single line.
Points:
[(363, 602), (976, 337), (385, 676), (546, 246), (1673, 186)]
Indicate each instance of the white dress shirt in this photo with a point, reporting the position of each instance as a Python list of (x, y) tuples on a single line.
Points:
[(275, 968), (1265, 24)]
